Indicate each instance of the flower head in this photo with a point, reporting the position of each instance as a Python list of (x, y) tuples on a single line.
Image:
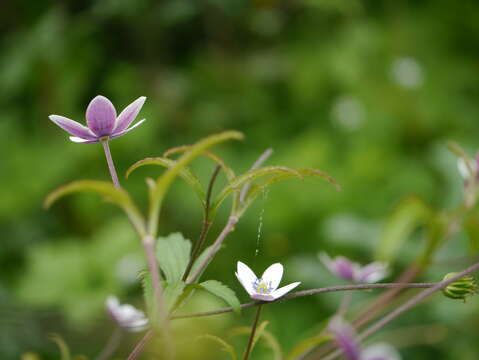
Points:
[(266, 287), (461, 288), (347, 341), (354, 272), (102, 121), (126, 316)]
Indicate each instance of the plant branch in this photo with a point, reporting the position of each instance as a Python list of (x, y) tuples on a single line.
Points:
[(111, 164), (249, 347), (140, 346), (113, 342), (214, 249), (408, 305), (309, 292), (206, 224)]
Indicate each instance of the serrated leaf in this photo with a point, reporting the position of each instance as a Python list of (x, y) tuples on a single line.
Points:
[(222, 291), (307, 344), (225, 346), (173, 254), (109, 192), (186, 174), (148, 296), (408, 215)]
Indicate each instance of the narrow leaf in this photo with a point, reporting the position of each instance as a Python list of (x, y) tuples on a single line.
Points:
[(261, 333), (173, 254), (64, 350), (222, 291), (186, 174), (306, 345), (224, 345)]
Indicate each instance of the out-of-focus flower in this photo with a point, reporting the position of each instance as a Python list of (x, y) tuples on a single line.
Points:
[(354, 272), (346, 339), (126, 316), (467, 169), (461, 288), (102, 121), (407, 72), (266, 287)]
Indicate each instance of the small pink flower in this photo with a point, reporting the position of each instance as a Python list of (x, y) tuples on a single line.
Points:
[(354, 272), (102, 121)]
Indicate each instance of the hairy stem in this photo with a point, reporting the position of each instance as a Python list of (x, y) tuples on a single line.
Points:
[(214, 249), (408, 305), (249, 347), (205, 226), (306, 293), (111, 165)]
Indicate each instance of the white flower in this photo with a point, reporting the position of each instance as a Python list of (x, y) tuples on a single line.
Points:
[(354, 272), (266, 287), (126, 316)]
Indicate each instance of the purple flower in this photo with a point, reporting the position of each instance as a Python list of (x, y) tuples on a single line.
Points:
[(347, 341), (102, 121), (126, 316), (354, 272)]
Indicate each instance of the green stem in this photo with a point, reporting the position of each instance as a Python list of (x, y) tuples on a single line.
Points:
[(253, 332)]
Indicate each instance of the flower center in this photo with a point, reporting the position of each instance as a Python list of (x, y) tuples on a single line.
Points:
[(262, 287)]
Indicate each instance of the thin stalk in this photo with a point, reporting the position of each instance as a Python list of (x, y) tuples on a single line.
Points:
[(408, 305), (111, 164), (307, 293), (112, 345), (141, 345), (253, 332), (206, 225), (260, 161), (214, 249)]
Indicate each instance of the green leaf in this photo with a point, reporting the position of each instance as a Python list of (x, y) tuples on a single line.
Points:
[(109, 192), (186, 174), (148, 295), (64, 350), (222, 291), (172, 292), (261, 333), (225, 346), (180, 149), (408, 215), (173, 254), (307, 344), (199, 260)]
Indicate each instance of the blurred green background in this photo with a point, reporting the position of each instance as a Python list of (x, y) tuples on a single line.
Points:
[(368, 91)]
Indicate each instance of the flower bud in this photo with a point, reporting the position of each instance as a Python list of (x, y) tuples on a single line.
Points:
[(460, 288)]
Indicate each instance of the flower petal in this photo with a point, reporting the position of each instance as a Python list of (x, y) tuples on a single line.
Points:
[(340, 266), (121, 133), (372, 273), (273, 274), (346, 338), (129, 114), (263, 297), (246, 277), (101, 116), (284, 290), (73, 127), (83, 141), (380, 351)]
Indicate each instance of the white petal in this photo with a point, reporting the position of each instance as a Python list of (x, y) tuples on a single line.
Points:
[(112, 303), (246, 276), (284, 290), (380, 351), (373, 272), (273, 274), (82, 141), (463, 168)]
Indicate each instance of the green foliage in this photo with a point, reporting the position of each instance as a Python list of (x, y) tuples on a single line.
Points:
[(224, 345), (222, 291), (173, 254), (265, 335)]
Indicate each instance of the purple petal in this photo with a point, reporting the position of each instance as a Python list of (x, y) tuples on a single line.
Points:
[(101, 116), (345, 338), (121, 133), (344, 268), (129, 114), (72, 127), (372, 273)]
